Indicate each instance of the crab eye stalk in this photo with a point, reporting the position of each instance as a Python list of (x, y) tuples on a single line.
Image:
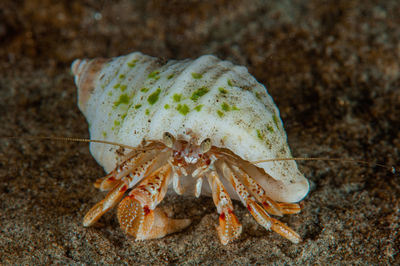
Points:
[(205, 146), (168, 139)]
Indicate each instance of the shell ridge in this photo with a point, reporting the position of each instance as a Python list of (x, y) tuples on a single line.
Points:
[(187, 88), (103, 107), (181, 84), (209, 100), (259, 89), (166, 91), (212, 78), (138, 115), (130, 57), (98, 92), (160, 115)]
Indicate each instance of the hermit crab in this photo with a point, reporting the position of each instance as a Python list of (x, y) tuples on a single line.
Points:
[(196, 127)]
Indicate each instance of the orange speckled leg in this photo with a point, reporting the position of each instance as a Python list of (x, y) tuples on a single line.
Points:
[(112, 198), (229, 227), (259, 212), (123, 177), (259, 193), (137, 213), (138, 162)]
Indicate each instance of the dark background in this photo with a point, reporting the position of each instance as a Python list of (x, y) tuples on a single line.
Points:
[(332, 67)]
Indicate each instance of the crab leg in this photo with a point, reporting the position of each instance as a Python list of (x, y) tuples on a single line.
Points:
[(258, 212), (229, 226), (289, 208), (124, 177), (176, 184), (137, 213), (133, 164), (259, 193), (103, 206)]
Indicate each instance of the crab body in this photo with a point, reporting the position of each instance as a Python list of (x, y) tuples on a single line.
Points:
[(190, 121)]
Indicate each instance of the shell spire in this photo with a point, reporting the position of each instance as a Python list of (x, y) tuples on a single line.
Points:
[(86, 72)]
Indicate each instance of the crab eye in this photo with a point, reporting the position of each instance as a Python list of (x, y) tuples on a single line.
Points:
[(168, 139), (205, 146)]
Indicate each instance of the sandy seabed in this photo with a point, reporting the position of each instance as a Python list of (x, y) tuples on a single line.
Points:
[(332, 67)]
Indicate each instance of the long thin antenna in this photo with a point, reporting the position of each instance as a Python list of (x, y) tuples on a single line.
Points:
[(75, 140), (388, 167)]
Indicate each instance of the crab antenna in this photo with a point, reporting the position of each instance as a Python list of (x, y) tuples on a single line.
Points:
[(388, 167), (74, 140)]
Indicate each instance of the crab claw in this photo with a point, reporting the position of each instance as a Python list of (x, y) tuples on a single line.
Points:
[(229, 227), (137, 213), (258, 211), (143, 223), (268, 222)]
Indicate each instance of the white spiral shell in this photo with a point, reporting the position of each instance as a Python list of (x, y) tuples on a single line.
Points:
[(136, 97)]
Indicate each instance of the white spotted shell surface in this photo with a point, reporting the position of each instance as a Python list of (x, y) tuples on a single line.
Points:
[(136, 97)]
